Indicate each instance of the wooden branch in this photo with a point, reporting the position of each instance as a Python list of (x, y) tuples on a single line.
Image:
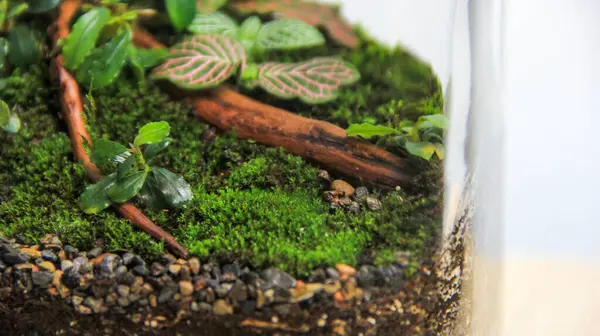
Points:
[(72, 110), (312, 139)]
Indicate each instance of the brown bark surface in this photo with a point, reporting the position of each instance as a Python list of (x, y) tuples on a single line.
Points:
[(312, 139), (72, 111)]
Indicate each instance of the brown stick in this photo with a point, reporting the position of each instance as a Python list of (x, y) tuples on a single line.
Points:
[(313, 139), (72, 109)]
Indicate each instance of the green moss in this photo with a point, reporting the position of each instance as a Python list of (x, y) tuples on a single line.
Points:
[(260, 204)]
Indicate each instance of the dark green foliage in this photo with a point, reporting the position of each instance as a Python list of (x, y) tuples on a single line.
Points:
[(244, 193)]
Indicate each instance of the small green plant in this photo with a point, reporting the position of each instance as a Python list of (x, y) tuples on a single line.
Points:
[(100, 45), (157, 187), (422, 138), (9, 121), (17, 43)]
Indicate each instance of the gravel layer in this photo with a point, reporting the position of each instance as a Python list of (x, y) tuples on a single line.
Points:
[(161, 293)]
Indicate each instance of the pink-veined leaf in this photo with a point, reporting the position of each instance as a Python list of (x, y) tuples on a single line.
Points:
[(313, 81), (201, 61), (313, 13), (209, 6)]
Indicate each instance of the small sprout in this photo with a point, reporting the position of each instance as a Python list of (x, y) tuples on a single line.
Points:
[(157, 187), (9, 121), (423, 138), (181, 12)]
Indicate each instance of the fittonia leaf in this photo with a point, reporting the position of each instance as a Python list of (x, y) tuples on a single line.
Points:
[(83, 36), (288, 34), (209, 6), (213, 23), (105, 63), (313, 13), (313, 81), (201, 61)]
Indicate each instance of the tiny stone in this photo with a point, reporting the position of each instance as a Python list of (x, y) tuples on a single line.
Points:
[(186, 288), (95, 252), (134, 297), (54, 240), (232, 269), (71, 278), (15, 258), (168, 258), (174, 269), (106, 264), (194, 265), (195, 307), (83, 309), (81, 264), (136, 261), (321, 323), (324, 174), (157, 269), (373, 203), (216, 273), (332, 273), (127, 258), (360, 193), (141, 270), (146, 289), (317, 275), (70, 251), (144, 302), (283, 309), (166, 294), (238, 292), (42, 278), (342, 187), (123, 302), (222, 291), (123, 290), (153, 301), (95, 305), (345, 270), (76, 300), (184, 274), (276, 277), (31, 252), (331, 286), (66, 264), (49, 255), (366, 276), (354, 207), (203, 306), (111, 299), (121, 271), (220, 307)]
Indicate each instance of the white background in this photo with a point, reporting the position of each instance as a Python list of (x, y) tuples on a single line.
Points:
[(539, 229)]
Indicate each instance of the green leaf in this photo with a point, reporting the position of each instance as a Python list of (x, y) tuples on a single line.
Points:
[(3, 53), (106, 151), (213, 23), (40, 6), (201, 61), (134, 63), (209, 6), (3, 10), (22, 49), (4, 113), (421, 149), (152, 133), (126, 168), (14, 124), (288, 34), (181, 13), (83, 36), (153, 149), (95, 198), (368, 131), (125, 189), (433, 121), (105, 63), (17, 10), (149, 58), (439, 150), (175, 191)]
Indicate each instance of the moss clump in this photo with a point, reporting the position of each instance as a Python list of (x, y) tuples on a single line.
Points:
[(260, 204)]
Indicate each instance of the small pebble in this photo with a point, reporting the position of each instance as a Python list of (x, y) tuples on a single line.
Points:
[(220, 307), (342, 187), (141, 270), (373, 203), (66, 264), (123, 290), (186, 288), (83, 309), (324, 174), (15, 258), (194, 265), (95, 252), (175, 269), (276, 277), (123, 302), (76, 300), (157, 269), (42, 278), (49, 255)]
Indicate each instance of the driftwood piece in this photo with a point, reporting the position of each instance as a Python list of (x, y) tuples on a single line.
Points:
[(72, 111), (312, 139)]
